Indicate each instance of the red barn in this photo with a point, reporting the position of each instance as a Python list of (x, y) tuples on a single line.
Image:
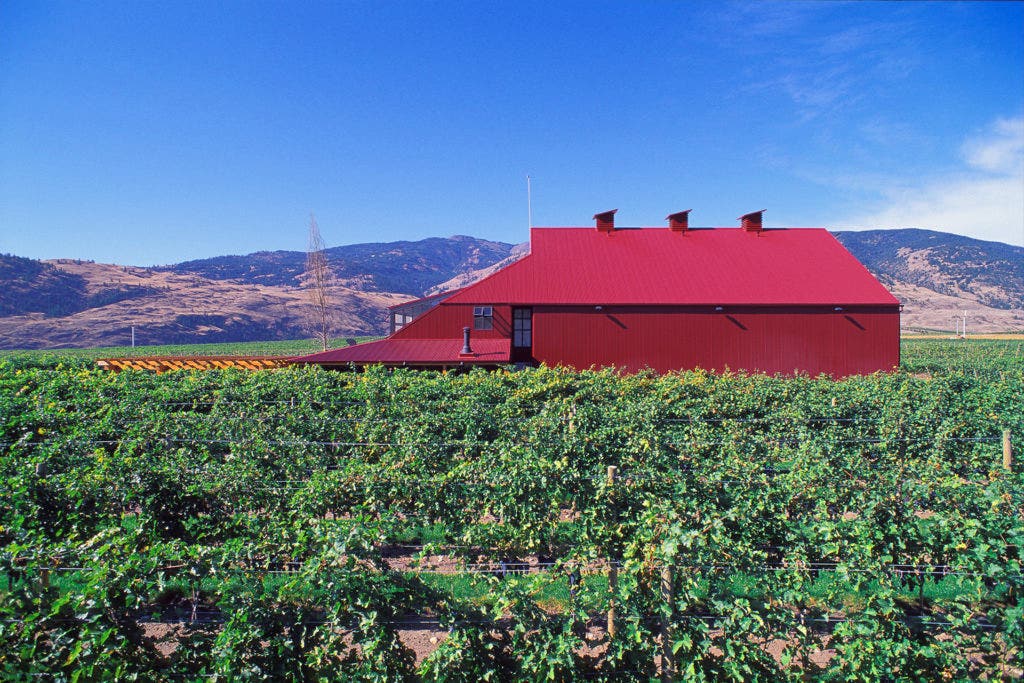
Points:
[(748, 298)]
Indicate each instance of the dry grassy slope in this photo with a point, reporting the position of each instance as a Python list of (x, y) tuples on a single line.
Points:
[(186, 309), (938, 275), (468, 278), (926, 309)]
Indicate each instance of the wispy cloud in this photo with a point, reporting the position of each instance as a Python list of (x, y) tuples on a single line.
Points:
[(1001, 150), (848, 40), (982, 199), (824, 57), (883, 130), (760, 20), (813, 93)]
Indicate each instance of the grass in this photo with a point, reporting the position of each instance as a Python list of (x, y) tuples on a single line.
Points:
[(552, 594), (421, 535), (54, 357), (965, 355), (260, 348)]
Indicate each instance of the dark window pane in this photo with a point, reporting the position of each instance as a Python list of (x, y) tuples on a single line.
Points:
[(522, 327), (483, 318)]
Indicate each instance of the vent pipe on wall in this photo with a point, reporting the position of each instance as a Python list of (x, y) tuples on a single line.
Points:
[(605, 221), (679, 222), (751, 222), (466, 349)]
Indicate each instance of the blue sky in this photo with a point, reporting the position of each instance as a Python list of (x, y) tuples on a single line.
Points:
[(153, 132)]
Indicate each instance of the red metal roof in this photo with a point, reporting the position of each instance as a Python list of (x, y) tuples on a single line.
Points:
[(651, 266), (414, 352)]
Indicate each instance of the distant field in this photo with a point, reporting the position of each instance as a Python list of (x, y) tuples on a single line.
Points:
[(949, 335), (936, 354), (293, 347)]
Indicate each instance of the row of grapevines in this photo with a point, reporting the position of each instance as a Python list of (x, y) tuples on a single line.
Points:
[(786, 509)]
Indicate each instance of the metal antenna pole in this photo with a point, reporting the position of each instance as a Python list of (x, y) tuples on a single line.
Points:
[(529, 204)]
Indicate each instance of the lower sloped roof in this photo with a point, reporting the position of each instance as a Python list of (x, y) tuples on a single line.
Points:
[(414, 352)]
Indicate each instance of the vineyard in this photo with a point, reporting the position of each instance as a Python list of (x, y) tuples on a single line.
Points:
[(537, 525)]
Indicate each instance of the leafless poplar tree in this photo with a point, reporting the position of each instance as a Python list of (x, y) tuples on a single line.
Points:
[(318, 277)]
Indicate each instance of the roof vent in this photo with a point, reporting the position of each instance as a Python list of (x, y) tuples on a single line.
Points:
[(679, 222), (751, 222), (605, 221)]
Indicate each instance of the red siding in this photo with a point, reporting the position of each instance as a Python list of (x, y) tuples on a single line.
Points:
[(772, 340), (447, 320)]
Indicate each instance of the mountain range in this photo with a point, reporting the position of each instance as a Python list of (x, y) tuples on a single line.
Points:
[(262, 296)]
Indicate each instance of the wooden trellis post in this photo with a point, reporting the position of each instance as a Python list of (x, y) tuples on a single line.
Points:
[(1007, 451), (613, 570), (668, 659)]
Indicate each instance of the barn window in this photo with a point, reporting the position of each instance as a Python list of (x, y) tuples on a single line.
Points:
[(400, 320), (522, 328), (483, 318)]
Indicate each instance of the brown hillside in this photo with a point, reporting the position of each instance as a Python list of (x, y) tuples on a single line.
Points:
[(468, 278), (926, 309), (186, 309)]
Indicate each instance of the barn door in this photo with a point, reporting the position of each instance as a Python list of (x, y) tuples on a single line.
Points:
[(522, 334)]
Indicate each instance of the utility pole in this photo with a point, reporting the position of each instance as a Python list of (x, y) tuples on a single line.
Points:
[(529, 204), (133, 336)]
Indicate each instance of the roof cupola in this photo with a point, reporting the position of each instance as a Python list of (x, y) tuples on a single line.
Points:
[(679, 222), (751, 222), (605, 221)]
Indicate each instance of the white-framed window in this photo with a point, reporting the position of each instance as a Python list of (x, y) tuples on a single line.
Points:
[(400, 320), (483, 318)]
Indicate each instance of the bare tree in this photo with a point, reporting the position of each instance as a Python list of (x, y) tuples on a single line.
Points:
[(318, 277)]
